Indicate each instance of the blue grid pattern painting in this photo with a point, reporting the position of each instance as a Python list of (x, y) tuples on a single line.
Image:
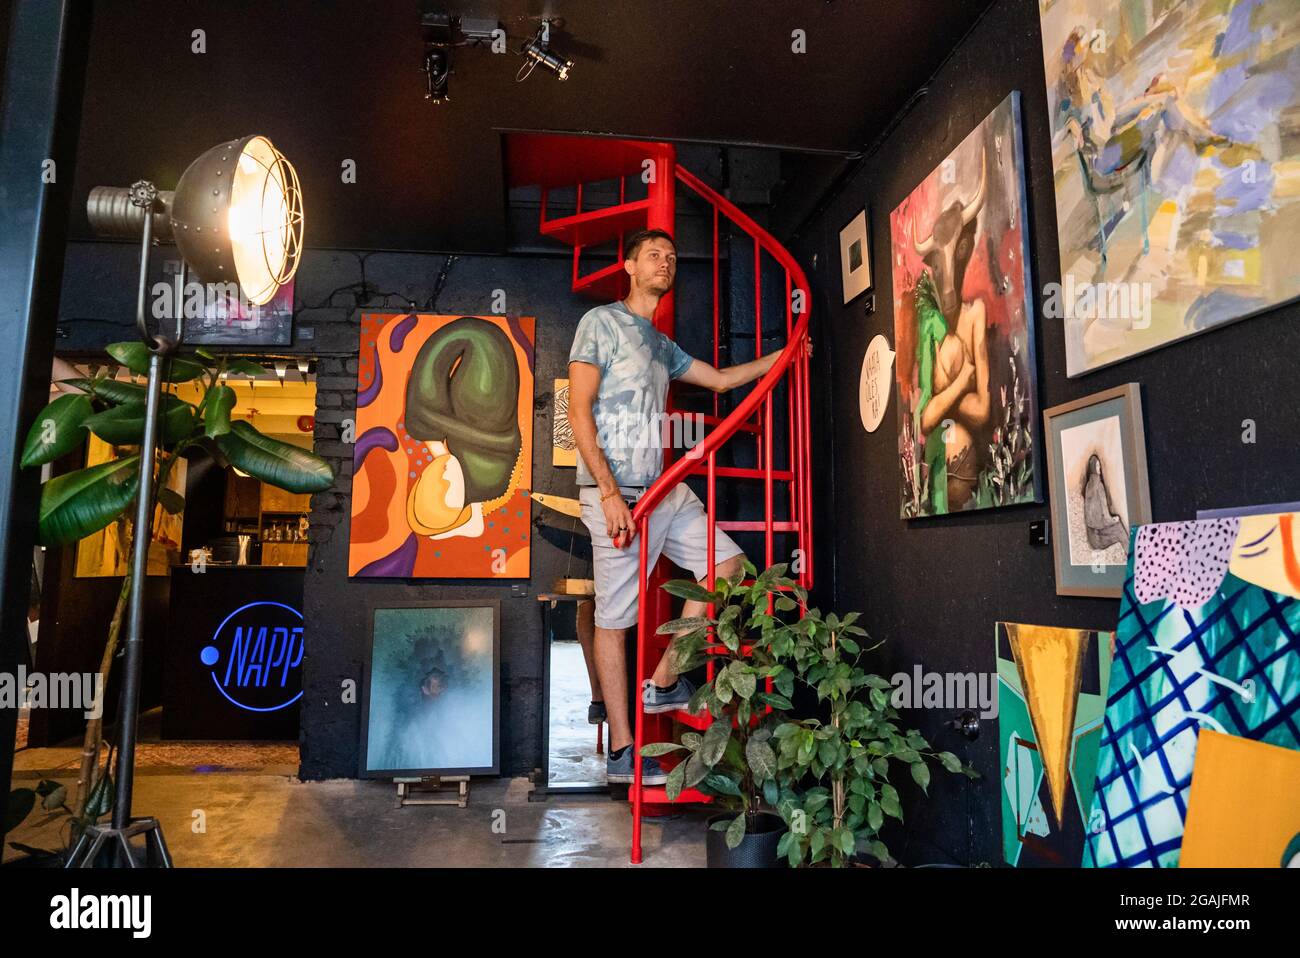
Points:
[(1227, 658)]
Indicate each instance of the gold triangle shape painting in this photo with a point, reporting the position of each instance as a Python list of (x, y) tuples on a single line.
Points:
[(1050, 663)]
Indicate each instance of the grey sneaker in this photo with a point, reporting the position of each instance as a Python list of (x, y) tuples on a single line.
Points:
[(655, 701), (620, 770), (596, 713)]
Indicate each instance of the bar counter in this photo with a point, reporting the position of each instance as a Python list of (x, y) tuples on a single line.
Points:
[(234, 651)]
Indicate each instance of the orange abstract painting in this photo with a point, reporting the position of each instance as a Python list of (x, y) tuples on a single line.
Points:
[(442, 467)]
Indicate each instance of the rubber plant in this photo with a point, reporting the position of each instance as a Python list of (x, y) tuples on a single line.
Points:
[(78, 503), (733, 760), (851, 756)]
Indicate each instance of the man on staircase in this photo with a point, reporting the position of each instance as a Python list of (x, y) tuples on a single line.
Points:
[(619, 369)]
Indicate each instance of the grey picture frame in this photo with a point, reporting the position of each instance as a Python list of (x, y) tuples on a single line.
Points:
[(1125, 403), (364, 757)]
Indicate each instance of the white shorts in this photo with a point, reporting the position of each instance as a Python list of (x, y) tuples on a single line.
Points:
[(679, 529)]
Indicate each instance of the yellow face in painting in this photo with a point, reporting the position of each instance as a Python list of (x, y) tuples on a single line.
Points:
[(437, 502), (1267, 552)]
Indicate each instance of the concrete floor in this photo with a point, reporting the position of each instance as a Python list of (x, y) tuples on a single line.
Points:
[(271, 821), (239, 804), (573, 757)]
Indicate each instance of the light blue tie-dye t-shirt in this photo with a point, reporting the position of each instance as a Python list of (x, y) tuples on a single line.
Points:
[(636, 363)]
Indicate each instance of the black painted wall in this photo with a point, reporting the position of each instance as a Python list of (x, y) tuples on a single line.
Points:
[(333, 288), (338, 609), (934, 588)]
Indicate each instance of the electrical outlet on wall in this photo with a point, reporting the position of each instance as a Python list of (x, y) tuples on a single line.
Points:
[(1039, 532)]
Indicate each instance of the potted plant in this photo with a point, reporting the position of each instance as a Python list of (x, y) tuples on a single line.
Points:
[(733, 760), (851, 756), (79, 503)]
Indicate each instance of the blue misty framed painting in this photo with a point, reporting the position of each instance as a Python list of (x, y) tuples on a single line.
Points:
[(431, 704)]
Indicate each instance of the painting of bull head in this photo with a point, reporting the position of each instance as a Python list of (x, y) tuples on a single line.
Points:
[(963, 326)]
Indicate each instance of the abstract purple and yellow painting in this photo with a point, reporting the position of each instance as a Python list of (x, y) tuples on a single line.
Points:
[(1176, 165), (443, 459)]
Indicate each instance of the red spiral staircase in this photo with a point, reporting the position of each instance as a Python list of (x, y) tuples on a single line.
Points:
[(555, 161)]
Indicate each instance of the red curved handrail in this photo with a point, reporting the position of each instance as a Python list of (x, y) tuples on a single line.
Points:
[(793, 358), (793, 351)]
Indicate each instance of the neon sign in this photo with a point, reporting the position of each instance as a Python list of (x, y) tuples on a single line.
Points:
[(262, 645)]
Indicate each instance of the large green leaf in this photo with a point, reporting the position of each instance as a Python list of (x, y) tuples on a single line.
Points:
[(656, 749), (696, 771), (686, 589), (762, 760), (715, 741), (690, 624), (921, 775), (59, 429), (78, 503), (135, 357), (282, 465), (124, 425), (113, 390), (216, 414), (722, 784), (735, 831), (171, 501), (101, 798)]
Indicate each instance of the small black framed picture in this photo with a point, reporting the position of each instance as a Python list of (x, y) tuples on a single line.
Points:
[(855, 257)]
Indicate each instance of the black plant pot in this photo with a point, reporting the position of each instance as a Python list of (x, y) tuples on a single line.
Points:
[(756, 850)]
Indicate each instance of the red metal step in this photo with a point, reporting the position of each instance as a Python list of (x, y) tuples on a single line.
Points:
[(606, 284), (658, 795), (717, 420), (550, 160), (593, 227), (758, 525), (740, 472), (698, 722)]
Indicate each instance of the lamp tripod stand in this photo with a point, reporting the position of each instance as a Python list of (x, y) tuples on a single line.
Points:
[(115, 839)]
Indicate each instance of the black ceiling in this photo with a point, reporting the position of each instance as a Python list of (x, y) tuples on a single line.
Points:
[(332, 81)]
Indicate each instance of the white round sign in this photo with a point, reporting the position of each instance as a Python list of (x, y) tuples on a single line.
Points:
[(873, 386)]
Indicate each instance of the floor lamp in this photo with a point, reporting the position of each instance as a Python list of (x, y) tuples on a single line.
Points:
[(236, 217)]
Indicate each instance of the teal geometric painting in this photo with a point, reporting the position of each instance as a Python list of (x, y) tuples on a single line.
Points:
[(1209, 636), (1051, 696)]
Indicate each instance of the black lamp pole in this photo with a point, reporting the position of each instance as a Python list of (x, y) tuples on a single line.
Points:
[(143, 196)]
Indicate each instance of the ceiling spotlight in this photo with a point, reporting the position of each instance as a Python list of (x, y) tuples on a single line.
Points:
[(437, 71), (537, 52), (438, 32), (302, 369)]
